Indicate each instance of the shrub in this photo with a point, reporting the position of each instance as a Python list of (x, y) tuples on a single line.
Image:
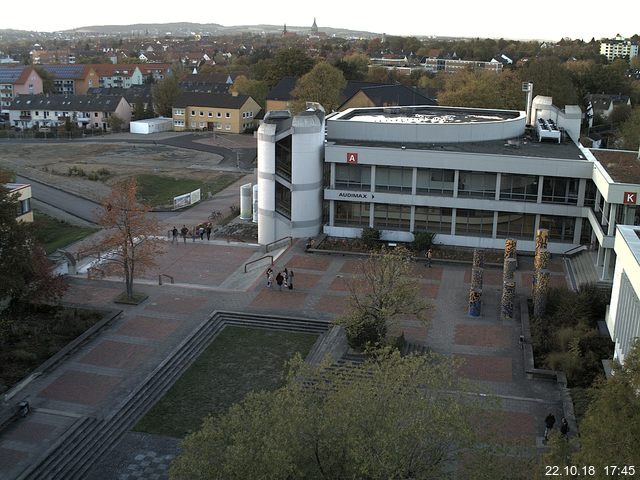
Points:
[(77, 171), (363, 330), (370, 236), (422, 241)]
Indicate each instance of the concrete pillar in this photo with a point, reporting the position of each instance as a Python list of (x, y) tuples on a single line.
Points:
[(613, 210), (414, 181), (540, 185), (582, 189), (506, 305), (541, 293), (456, 179), (606, 264), (478, 258), (577, 233), (498, 182)]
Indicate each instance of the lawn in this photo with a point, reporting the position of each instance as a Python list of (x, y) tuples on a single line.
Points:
[(52, 233), (159, 190), (238, 361)]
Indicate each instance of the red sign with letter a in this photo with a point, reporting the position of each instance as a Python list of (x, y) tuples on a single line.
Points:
[(352, 158), (630, 198)]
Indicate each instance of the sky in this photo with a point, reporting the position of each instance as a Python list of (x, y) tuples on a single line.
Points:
[(544, 20)]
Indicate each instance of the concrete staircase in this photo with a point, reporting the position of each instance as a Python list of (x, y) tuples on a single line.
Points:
[(89, 438), (582, 271)]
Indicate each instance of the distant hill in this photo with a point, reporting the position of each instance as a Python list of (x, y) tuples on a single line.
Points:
[(185, 28)]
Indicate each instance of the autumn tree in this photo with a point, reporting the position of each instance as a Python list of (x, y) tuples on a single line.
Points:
[(323, 84), (129, 244), (256, 89), (48, 85), (389, 418), (165, 93), (354, 66), (383, 292), (630, 131), (550, 78), (26, 272), (482, 89)]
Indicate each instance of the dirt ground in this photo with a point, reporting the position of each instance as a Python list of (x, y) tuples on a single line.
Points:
[(50, 163)]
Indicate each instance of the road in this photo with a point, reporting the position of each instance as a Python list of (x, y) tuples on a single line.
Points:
[(70, 203)]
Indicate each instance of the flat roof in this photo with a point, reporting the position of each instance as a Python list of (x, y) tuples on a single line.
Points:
[(427, 114), (622, 166), (519, 147)]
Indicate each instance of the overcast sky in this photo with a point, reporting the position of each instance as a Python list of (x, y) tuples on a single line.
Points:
[(547, 20)]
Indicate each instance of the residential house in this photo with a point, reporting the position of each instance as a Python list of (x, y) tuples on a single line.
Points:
[(156, 71), (16, 81), (618, 47), (132, 95), (118, 75), (385, 96), (72, 79), (207, 82), (24, 212), (452, 65), (215, 112), (390, 61), (85, 111), (279, 97), (62, 56), (503, 59), (603, 104)]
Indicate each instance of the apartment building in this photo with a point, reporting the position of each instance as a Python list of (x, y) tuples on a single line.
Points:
[(17, 80), (72, 79), (215, 112), (618, 47)]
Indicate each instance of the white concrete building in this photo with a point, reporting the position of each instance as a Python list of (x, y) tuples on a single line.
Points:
[(623, 317), (472, 176), (618, 47)]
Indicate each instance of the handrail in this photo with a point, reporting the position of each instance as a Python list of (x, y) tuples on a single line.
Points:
[(164, 275), (266, 247), (573, 250), (257, 260)]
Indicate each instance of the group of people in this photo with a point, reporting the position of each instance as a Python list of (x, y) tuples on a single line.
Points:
[(283, 279), (199, 231), (550, 421)]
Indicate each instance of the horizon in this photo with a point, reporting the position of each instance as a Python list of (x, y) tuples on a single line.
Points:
[(496, 19)]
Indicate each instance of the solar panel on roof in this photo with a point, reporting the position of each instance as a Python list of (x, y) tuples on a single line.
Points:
[(10, 74)]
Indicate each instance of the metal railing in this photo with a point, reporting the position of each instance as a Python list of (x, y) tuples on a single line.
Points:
[(574, 250), (266, 247), (257, 260), (164, 275)]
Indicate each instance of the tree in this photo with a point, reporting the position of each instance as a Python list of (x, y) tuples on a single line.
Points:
[(482, 89), (256, 89), (388, 418), (48, 85), (24, 268), (354, 66), (116, 123), (630, 131), (138, 109), (380, 296), (129, 239), (323, 84), (164, 94), (552, 79)]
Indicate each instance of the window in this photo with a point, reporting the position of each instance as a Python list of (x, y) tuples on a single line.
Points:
[(283, 157), (227, 126), (201, 113), (477, 184), (355, 177), (210, 114), (433, 220), (560, 228), (218, 115), (95, 114), (227, 115), (394, 179), (519, 187), (178, 123), (516, 225), (393, 217), (590, 194), (283, 200), (24, 206), (202, 124), (193, 113), (478, 223), (435, 181), (179, 111), (560, 190), (351, 214), (193, 124)]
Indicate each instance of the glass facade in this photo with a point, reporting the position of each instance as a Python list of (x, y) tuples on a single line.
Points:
[(477, 223), (283, 200), (391, 217), (435, 181), (353, 177), (519, 187), (477, 185), (394, 179), (560, 190), (283, 158), (516, 225), (351, 214), (560, 228), (433, 220)]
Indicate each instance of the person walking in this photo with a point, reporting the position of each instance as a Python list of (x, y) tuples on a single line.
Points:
[(429, 257), (201, 233), (549, 422), (184, 231), (208, 231), (193, 234), (174, 235), (279, 280), (564, 427), (290, 280), (269, 274)]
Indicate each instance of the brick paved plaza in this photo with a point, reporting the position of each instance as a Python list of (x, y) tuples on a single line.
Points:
[(98, 376)]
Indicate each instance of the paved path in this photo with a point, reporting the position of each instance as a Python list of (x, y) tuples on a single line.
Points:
[(100, 374)]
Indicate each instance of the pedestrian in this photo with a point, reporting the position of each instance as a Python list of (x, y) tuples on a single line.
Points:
[(193, 234), (184, 231), (549, 421), (174, 234), (564, 427), (429, 257), (290, 279), (201, 232), (269, 274), (279, 280), (209, 231)]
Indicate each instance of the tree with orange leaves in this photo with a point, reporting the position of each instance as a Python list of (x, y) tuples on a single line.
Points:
[(130, 243)]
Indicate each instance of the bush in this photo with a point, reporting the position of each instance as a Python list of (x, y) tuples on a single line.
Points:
[(422, 241), (363, 330), (370, 236), (76, 171)]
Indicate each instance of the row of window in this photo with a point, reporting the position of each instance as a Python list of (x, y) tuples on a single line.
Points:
[(180, 112), (477, 223), (214, 125), (470, 184)]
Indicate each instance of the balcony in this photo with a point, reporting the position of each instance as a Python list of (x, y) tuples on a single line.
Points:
[(25, 117)]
